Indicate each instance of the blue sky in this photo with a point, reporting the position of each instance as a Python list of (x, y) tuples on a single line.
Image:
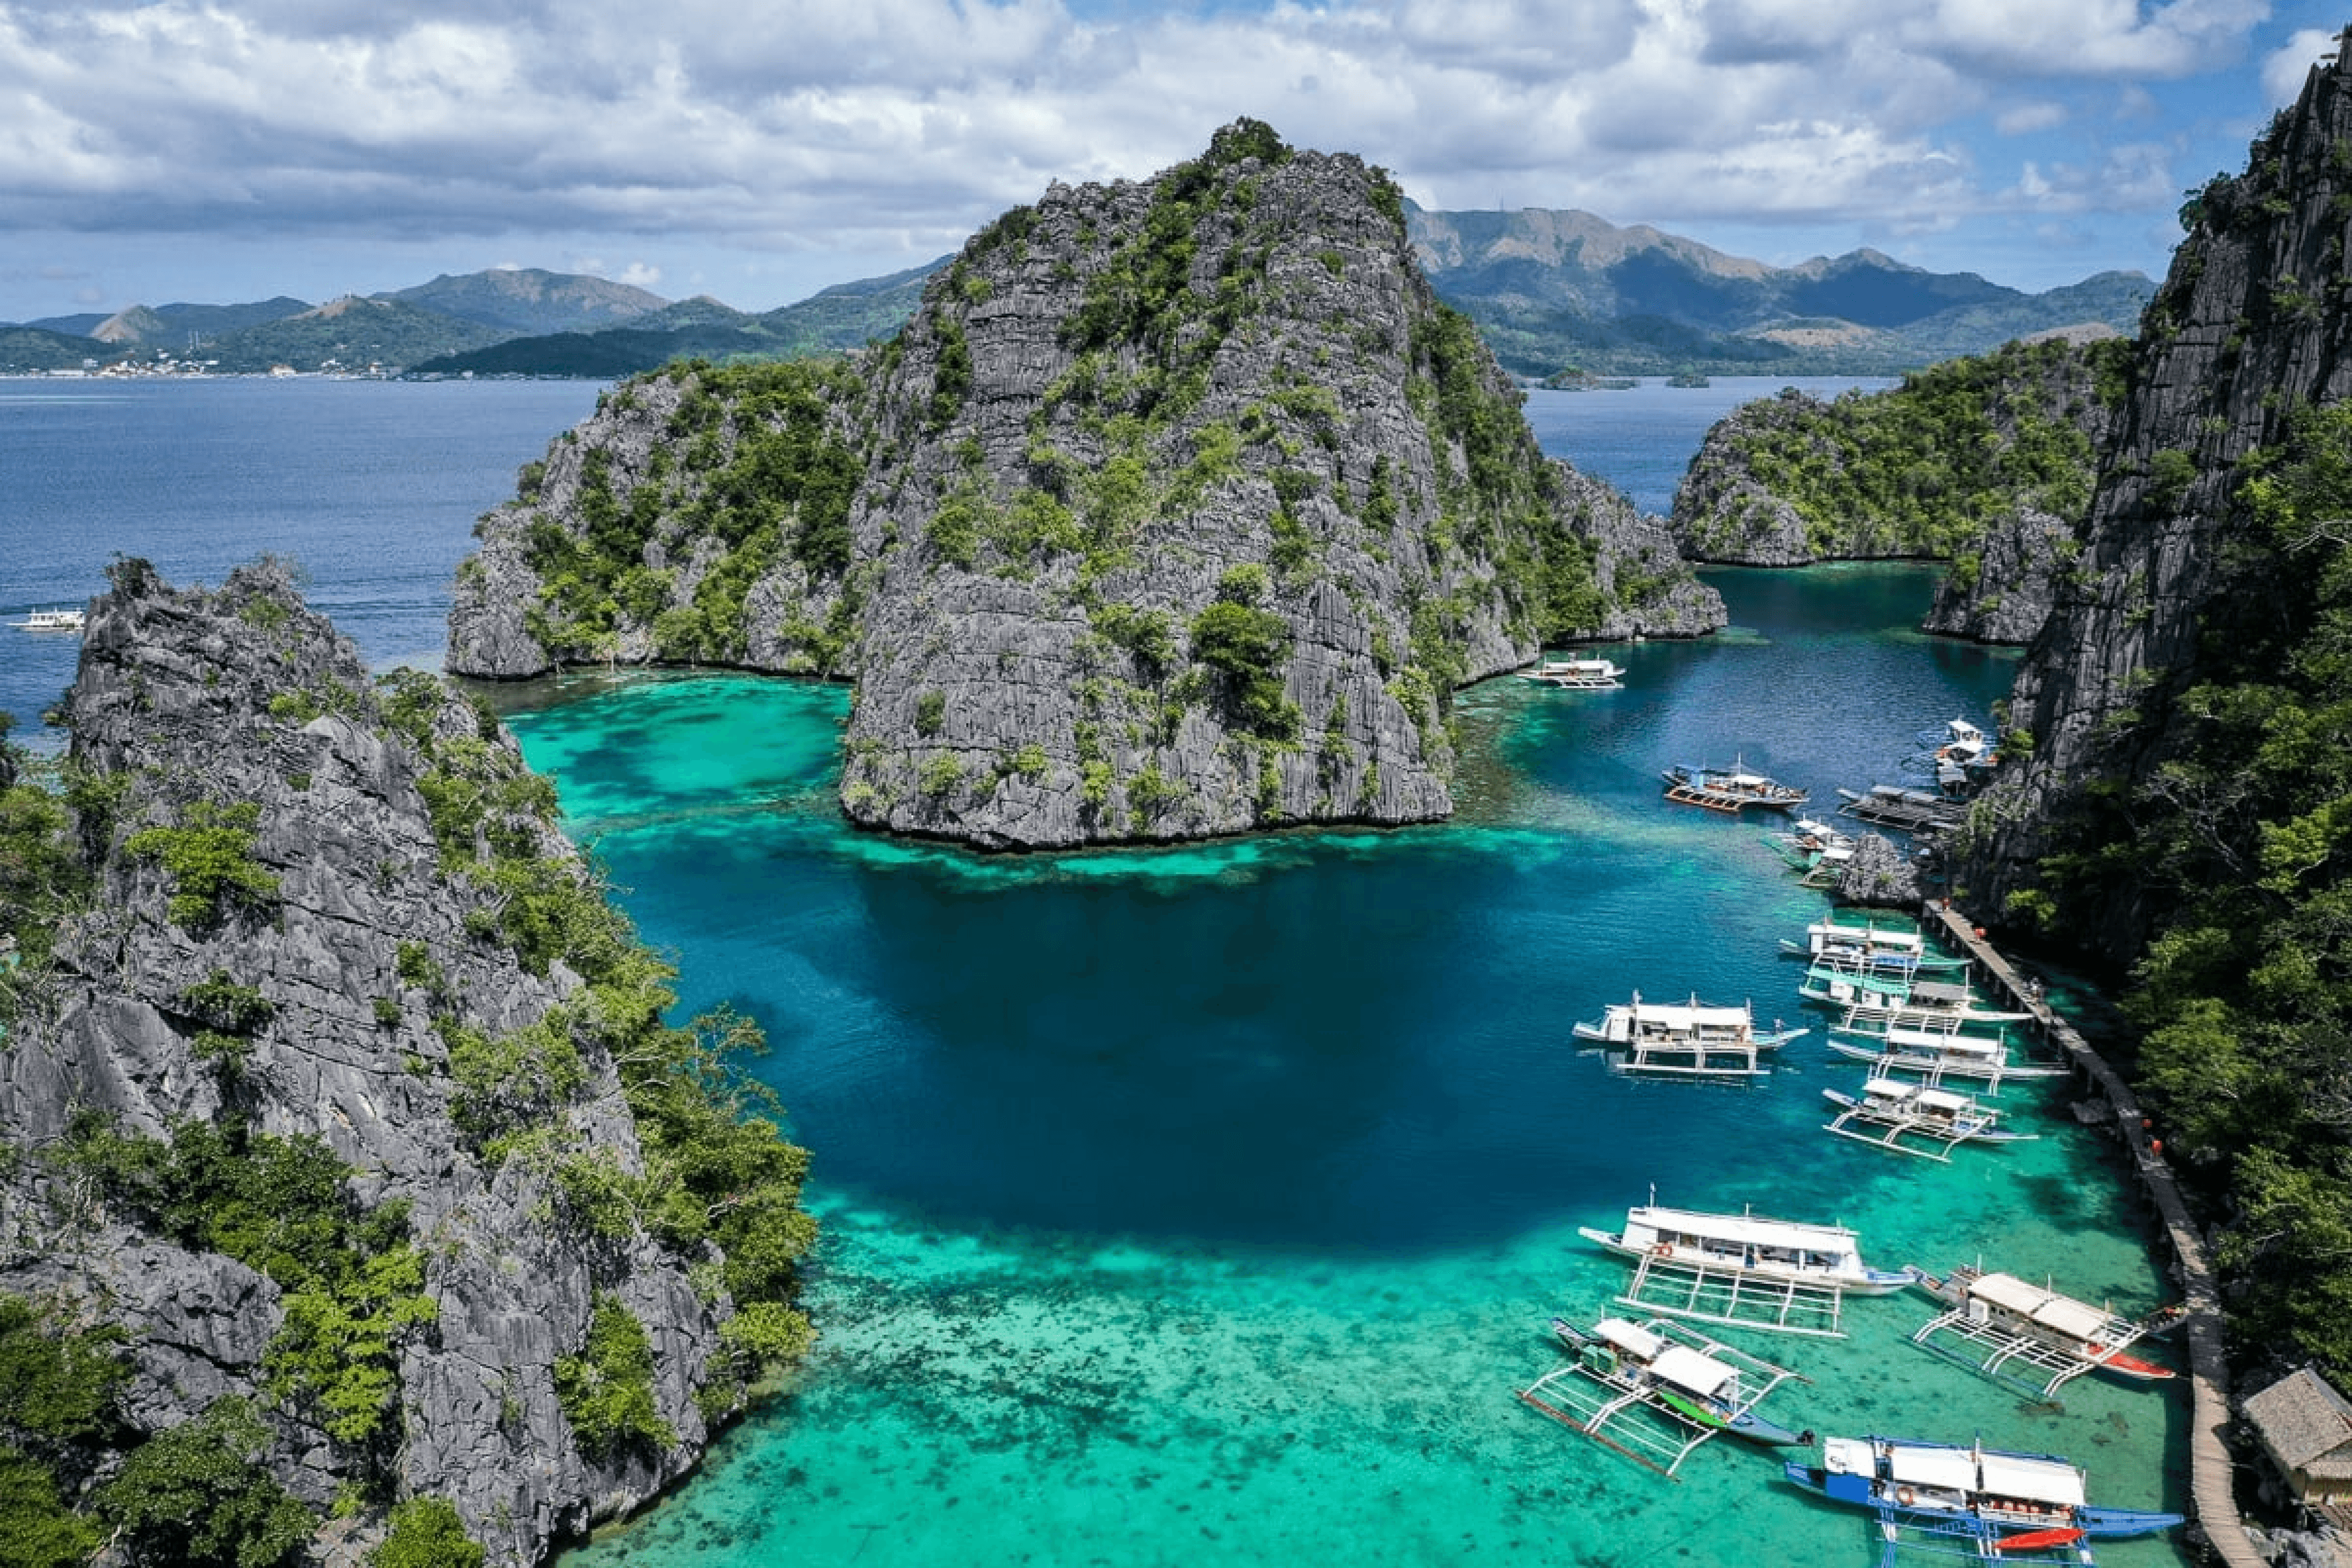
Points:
[(237, 149)]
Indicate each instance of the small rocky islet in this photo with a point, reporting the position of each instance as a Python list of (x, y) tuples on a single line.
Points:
[(341, 1180)]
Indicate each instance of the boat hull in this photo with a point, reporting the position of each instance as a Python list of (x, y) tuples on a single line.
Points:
[(1868, 1282)]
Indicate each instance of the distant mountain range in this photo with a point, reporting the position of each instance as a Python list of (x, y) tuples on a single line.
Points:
[(1555, 293)]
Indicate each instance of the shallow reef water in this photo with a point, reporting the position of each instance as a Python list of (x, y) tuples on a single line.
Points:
[(1210, 1203)]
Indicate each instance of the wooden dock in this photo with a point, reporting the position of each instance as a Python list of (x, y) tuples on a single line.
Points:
[(2215, 1506)]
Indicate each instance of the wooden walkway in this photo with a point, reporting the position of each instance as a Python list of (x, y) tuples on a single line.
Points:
[(2209, 1465)]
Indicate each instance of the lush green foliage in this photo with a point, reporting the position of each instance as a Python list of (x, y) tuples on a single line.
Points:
[(608, 1389), (760, 471), (196, 1494), (352, 1281), (1247, 645), (57, 1389), (427, 1533), (2245, 837), (1923, 469), (42, 875), (209, 858)]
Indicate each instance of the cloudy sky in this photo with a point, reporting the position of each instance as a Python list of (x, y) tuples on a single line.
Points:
[(760, 150)]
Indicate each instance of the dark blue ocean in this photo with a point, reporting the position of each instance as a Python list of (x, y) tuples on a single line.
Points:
[(1208, 1204)]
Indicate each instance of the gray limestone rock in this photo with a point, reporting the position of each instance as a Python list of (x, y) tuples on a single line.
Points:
[(2007, 590), (1878, 876), (1180, 508), (239, 698)]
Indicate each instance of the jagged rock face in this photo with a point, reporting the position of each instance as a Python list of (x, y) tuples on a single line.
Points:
[(175, 698), (2011, 586), (2246, 327), (1180, 508), (1723, 510), (1878, 876)]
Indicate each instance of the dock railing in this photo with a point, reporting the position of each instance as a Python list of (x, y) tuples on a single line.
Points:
[(2210, 1463)]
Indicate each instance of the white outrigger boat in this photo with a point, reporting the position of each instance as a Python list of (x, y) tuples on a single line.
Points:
[(1576, 674), (2006, 1507), (1894, 998), (1997, 1322), (1915, 1118), (1729, 790), (1654, 1391), (1784, 1276), (59, 620), (1686, 1040), (1937, 1054), (1871, 946)]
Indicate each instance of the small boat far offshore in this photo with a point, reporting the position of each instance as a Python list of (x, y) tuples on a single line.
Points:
[(59, 620)]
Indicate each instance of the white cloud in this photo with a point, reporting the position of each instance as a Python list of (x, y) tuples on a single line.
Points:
[(794, 127), (2028, 118), (2284, 71)]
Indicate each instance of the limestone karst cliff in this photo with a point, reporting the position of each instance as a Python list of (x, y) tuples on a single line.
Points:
[(2180, 572), (1180, 508), (342, 1119), (1986, 463)]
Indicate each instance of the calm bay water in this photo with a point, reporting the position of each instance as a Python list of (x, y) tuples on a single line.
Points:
[(1206, 1204), (371, 486)]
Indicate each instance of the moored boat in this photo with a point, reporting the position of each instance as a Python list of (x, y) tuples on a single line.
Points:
[(1683, 1376), (1750, 1246), (59, 620), (1935, 1054), (1991, 1493), (1577, 674), (1732, 790), (1890, 996), (1687, 1039), (1902, 1117), (2009, 1314)]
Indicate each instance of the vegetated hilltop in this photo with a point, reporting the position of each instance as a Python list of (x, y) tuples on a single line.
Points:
[(1180, 508), (1559, 289), (354, 1174), (1988, 463), (2184, 813)]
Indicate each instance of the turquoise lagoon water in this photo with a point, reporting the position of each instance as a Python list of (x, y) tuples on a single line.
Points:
[(1209, 1204)]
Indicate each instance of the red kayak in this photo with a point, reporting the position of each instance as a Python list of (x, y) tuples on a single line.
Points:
[(2037, 1540)]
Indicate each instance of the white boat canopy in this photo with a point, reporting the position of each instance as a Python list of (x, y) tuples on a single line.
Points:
[(1686, 1019), (2050, 1481), (2047, 1308), (1636, 1341), (1945, 1042), (1953, 1469), (1740, 1230), (1687, 1369)]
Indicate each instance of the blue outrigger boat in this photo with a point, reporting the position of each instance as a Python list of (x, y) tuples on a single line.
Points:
[(1973, 1500)]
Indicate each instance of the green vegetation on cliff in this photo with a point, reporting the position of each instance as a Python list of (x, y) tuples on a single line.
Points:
[(2245, 837), (1920, 469)]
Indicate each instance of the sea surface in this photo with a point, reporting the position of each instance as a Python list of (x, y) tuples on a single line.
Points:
[(1209, 1204)]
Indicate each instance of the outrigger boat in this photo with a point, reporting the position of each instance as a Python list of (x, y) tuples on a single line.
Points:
[(2002, 1503), (1937, 1054), (1839, 945), (1998, 1320), (1731, 790), (1618, 1369), (1688, 1040), (1784, 1276), (1577, 674), (1897, 998), (60, 620), (1903, 1115), (1915, 811)]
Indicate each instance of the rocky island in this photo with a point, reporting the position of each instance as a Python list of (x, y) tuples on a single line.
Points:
[(358, 1201), (1180, 508)]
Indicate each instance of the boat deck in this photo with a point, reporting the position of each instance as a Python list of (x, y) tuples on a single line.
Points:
[(1906, 810), (1702, 1292), (1639, 1423), (2004, 1350), (1886, 1127)]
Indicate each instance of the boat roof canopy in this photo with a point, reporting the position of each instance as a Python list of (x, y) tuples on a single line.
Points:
[(1690, 1016), (1688, 1368), (2047, 1308), (1946, 1042), (1635, 1341), (2035, 1479), (1745, 1230), (1953, 1469)]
